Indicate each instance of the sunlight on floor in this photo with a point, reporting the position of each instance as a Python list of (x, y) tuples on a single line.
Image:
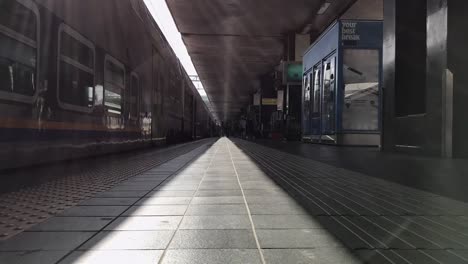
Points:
[(219, 208)]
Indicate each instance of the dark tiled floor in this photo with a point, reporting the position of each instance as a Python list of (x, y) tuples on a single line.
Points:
[(441, 176), (239, 202), (376, 220)]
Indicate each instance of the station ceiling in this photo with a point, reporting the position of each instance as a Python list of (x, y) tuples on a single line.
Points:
[(233, 42)]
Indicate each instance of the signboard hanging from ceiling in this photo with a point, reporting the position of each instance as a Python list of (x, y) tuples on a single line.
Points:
[(292, 73)]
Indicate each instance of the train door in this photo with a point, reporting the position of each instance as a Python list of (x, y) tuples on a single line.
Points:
[(315, 109), (329, 98), (157, 97)]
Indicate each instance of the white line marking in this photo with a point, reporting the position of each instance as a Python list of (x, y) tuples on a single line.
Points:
[(247, 206), (194, 195)]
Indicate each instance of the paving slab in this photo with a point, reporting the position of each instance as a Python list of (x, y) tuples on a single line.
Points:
[(45, 241), (161, 193), (218, 200), (145, 223), (114, 257), (212, 256), (216, 222), (116, 240), (211, 193), (228, 186), (157, 200), (122, 194), (296, 238), (155, 210), (285, 222), (73, 224), (178, 188), (109, 211), (304, 256), (276, 209), (270, 199), (111, 201), (217, 209), (31, 257), (222, 239)]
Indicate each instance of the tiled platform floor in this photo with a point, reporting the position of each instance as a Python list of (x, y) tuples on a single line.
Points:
[(437, 175), (379, 221), (224, 206), (45, 191)]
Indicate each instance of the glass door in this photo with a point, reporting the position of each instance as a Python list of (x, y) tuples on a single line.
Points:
[(306, 106), (329, 96), (315, 109)]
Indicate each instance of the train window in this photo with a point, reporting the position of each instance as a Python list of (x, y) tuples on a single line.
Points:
[(133, 99), (114, 85), (75, 71), (19, 46)]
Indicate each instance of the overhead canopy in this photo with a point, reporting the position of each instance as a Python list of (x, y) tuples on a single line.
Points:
[(233, 42)]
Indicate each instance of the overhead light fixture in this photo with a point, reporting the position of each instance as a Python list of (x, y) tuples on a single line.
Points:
[(323, 8)]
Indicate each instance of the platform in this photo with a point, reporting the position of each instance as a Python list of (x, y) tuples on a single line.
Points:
[(233, 201), (437, 175)]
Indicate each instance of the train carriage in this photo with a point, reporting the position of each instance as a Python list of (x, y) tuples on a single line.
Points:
[(81, 78)]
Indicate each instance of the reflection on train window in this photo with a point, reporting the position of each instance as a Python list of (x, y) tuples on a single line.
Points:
[(76, 70), (98, 95), (133, 100), (18, 48), (114, 85), (361, 80)]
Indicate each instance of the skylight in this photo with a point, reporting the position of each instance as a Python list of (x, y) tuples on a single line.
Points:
[(165, 21)]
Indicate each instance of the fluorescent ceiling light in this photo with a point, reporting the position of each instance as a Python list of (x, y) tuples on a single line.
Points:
[(323, 8)]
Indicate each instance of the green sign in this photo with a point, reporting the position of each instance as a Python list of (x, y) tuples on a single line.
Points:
[(293, 73)]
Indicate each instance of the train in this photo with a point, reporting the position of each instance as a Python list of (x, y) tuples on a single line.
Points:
[(84, 78)]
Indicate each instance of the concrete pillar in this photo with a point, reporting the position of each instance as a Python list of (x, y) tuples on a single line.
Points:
[(455, 76), (409, 125), (426, 117)]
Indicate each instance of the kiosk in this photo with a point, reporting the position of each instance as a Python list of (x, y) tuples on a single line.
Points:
[(341, 93)]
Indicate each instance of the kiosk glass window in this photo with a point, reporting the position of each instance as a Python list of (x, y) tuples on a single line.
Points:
[(306, 98), (316, 92), (361, 89), (18, 48), (328, 96)]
